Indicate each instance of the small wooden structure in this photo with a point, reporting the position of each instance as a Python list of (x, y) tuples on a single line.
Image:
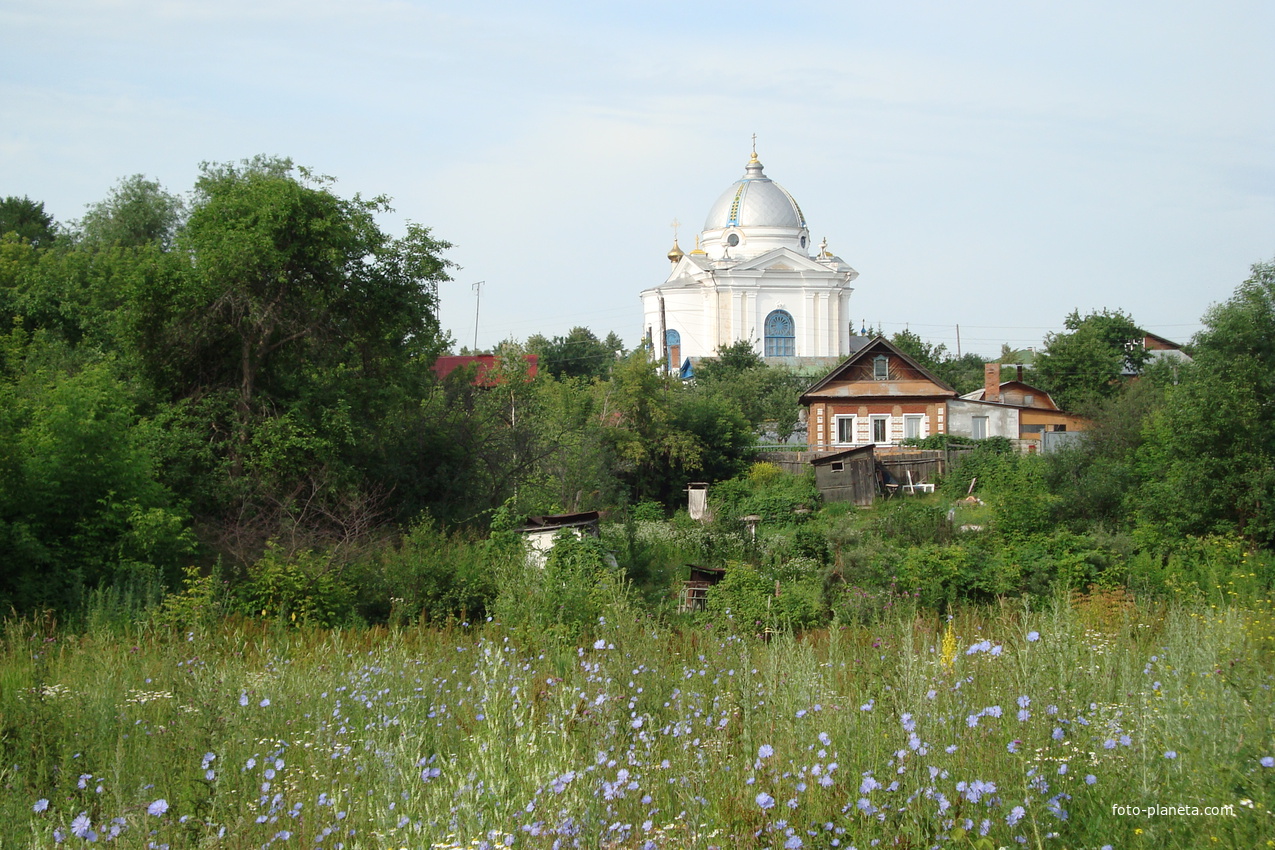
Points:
[(540, 532), (695, 589), (697, 501), (847, 476)]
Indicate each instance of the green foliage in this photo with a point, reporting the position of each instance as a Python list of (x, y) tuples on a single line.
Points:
[(911, 522), (766, 491), (306, 588), (766, 396), (1021, 501), (201, 603), (653, 456), (648, 512), (434, 576), (565, 599), (927, 354), (1222, 570), (722, 439), (292, 345), (964, 374), (444, 721), (1086, 364), (79, 495), (991, 462), (1096, 480), (1208, 459), (942, 442), (137, 212), (28, 220), (579, 354)]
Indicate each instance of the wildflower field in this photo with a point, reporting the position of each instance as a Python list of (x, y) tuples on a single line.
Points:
[(995, 727)]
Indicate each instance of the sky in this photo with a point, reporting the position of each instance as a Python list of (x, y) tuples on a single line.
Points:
[(987, 166)]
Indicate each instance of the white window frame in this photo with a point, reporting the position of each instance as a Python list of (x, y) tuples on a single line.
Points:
[(916, 419), (836, 428), (885, 429), (978, 423)]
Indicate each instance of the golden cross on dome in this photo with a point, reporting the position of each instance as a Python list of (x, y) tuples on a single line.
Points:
[(675, 225)]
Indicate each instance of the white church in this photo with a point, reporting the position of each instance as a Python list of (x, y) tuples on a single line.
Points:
[(752, 277)]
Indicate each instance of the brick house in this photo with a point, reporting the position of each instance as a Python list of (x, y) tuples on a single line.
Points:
[(878, 396), (1012, 408)]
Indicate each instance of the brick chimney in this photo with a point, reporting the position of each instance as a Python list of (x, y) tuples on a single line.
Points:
[(991, 382)]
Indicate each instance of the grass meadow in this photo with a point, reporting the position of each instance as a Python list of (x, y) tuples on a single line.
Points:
[(1000, 726)]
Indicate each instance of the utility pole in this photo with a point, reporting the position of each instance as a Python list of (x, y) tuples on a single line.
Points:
[(663, 335), (958, 342), (478, 298)]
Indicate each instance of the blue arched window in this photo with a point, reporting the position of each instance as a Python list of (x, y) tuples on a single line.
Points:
[(781, 335), (673, 344)]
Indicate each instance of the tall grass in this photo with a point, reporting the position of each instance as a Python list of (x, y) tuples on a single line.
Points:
[(999, 726)]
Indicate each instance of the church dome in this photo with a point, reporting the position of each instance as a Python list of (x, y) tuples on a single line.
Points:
[(755, 200)]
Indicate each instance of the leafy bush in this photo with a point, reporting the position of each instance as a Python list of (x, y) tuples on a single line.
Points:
[(434, 576), (1218, 568), (305, 588), (564, 600), (746, 600), (911, 522), (766, 491), (1021, 501), (989, 462)]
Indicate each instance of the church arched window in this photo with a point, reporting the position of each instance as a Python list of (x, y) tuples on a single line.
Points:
[(673, 345), (781, 335)]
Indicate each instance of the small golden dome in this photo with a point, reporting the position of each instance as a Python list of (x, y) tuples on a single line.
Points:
[(675, 253), (698, 250)]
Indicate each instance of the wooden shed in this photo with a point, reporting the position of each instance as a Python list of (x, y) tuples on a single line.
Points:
[(695, 590), (847, 476)]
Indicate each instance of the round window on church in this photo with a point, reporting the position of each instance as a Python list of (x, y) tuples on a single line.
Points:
[(732, 240)]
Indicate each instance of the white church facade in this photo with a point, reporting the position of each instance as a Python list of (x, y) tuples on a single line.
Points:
[(752, 276)]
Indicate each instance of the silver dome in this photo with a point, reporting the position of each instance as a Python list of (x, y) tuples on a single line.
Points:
[(755, 200)]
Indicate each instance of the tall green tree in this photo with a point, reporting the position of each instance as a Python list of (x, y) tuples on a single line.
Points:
[(927, 354), (290, 335), (138, 211), (579, 354), (81, 503), (1088, 362), (28, 220), (765, 396), (1208, 460)]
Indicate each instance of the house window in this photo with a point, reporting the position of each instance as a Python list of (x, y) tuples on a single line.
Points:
[(881, 368), (912, 427), (1029, 400), (845, 430), (838, 465), (781, 334), (880, 429), (978, 427), (673, 342)]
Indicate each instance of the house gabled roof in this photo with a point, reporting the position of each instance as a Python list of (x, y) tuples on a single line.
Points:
[(1159, 342), (1025, 388), (925, 384)]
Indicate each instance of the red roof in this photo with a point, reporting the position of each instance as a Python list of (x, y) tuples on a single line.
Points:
[(483, 364)]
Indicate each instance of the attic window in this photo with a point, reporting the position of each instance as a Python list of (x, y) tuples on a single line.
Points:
[(881, 368), (838, 466), (1029, 399)]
